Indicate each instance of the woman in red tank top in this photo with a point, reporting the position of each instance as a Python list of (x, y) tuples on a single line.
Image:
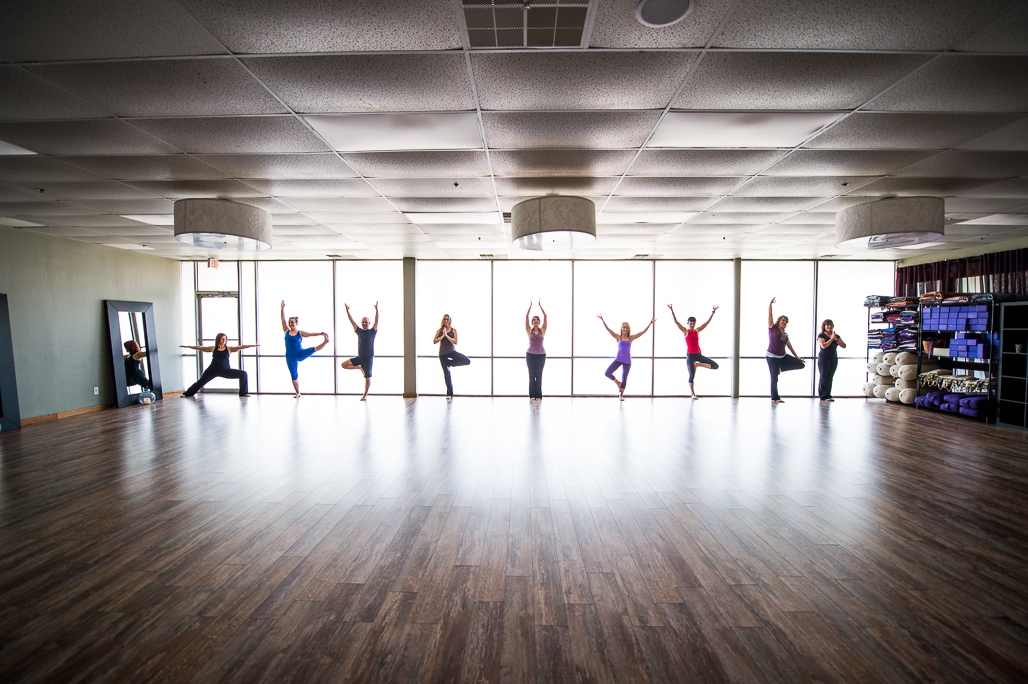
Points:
[(694, 357)]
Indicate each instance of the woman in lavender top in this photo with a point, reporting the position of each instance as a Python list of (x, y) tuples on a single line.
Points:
[(536, 355), (777, 360), (624, 357)]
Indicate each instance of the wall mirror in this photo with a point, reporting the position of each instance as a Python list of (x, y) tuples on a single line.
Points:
[(135, 364), (10, 414)]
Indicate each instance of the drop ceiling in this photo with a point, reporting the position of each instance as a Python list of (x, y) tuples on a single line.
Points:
[(745, 126)]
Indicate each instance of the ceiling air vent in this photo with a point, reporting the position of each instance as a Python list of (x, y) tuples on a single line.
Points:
[(542, 24), (506, 217)]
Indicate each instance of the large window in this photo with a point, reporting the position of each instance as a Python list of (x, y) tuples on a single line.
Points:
[(791, 283), (487, 302), (694, 288)]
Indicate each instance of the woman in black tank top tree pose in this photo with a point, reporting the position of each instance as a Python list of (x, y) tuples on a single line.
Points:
[(219, 367)]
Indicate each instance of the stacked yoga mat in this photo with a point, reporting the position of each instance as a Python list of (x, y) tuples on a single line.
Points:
[(973, 405), (893, 376)]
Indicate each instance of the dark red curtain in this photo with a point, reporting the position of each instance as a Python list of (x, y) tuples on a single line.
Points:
[(998, 272)]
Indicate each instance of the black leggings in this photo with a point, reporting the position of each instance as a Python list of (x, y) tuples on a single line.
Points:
[(826, 366), (693, 359), (137, 377), (786, 363), (624, 372), (212, 372), (535, 374), (452, 359)]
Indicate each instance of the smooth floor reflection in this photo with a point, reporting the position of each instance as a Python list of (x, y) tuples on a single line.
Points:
[(326, 539)]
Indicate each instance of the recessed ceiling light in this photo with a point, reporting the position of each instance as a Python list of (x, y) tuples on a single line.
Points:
[(152, 219), (481, 217), (739, 129), (393, 132), (660, 13), (609, 217), (9, 150), (18, 223), (134, 248), (998, 220)]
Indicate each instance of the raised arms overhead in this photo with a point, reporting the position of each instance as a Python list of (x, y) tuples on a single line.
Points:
[(640, 334), (707, 322)]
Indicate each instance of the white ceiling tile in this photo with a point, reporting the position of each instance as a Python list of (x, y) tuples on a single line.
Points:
[(233, 135), (843, 162), (935, 187), (764, 204), (26, 96), (560, 185), (164, 167), (621, 203), (907, 131), (642, 186), (88, 190), (40, 32), (368, 83), (434, 187), (174, 87), (269, 26), (444, 204), (969, 164), (1005, 34), (283, 166), (578, 80), (30, 209), (792, 80), (420, 164), (100, 136), (36, 168), (383, 132), (1011, 137), (869, 24), (652, 162), (560, 162), (615, 26), (962, 83), (730, 218), (1014, 188), (739, 129), (186, 189), (791, 186), (309, 187), (558, 130)]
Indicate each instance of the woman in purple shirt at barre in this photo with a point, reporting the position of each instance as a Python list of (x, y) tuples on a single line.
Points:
[(624, 357), (536, 355), (777, 360)]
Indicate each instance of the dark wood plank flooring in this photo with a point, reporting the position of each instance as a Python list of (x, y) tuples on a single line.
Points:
[(493, 540)]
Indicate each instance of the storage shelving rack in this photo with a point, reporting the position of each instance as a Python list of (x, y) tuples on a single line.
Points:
[(1013, 366), (885, 308), (970, 330)]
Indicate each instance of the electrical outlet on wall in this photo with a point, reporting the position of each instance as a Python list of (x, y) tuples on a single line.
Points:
[(96, 390)]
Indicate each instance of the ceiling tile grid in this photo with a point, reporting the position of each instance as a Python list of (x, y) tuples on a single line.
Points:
[(753, 121)]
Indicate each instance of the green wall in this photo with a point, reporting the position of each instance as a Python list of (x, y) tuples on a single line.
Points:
[(56, 290)]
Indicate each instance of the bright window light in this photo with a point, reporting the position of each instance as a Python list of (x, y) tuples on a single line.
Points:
[(477, 218), (675, 217), (738, 129), (385, 132), (152, 219)]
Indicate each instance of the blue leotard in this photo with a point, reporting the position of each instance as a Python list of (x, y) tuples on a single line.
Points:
[(295, 353)]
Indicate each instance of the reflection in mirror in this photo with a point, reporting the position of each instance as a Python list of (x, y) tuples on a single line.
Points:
[(133, 342), (137, 375), (10, 414)]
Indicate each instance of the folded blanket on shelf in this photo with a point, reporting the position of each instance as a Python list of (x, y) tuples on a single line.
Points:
[(973, 412), (953, 398), (938, 295), (995, 297), (950, 408), (876, 300), (959, 299)]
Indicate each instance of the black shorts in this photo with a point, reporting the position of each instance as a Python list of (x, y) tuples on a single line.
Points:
[(365, 363)]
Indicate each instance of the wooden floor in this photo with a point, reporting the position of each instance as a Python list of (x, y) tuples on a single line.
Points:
[(274, 540)]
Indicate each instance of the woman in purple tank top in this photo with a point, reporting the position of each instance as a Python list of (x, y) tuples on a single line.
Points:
[(777, 360), (624, 357), (536, 355)]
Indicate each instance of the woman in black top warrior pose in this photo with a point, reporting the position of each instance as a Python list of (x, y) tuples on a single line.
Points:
[(219, 367)]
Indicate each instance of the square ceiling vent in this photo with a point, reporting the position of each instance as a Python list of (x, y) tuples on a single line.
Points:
[(542, 24)]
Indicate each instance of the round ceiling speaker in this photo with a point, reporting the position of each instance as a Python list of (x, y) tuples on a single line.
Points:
[(660, 13), (891, 223), (554, 222), (221, 224)]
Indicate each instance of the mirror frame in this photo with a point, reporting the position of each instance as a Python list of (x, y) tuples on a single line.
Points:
[(10, 412), (114, 307)]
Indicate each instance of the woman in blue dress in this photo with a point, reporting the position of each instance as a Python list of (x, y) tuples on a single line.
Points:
[(295, 351)]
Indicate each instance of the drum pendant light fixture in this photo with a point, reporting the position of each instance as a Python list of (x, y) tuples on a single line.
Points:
[(891, 222), (553, 222), (221, 224)]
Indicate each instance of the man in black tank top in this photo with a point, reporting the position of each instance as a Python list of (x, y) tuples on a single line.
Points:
[(365, 347)]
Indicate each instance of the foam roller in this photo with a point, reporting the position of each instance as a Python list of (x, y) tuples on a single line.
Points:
[(907, 396), (889, 358), (906, 384), (877, 356), (906, 358), (892, 394), (880, 391), (884, 380), (869, 389), (883, 368)]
